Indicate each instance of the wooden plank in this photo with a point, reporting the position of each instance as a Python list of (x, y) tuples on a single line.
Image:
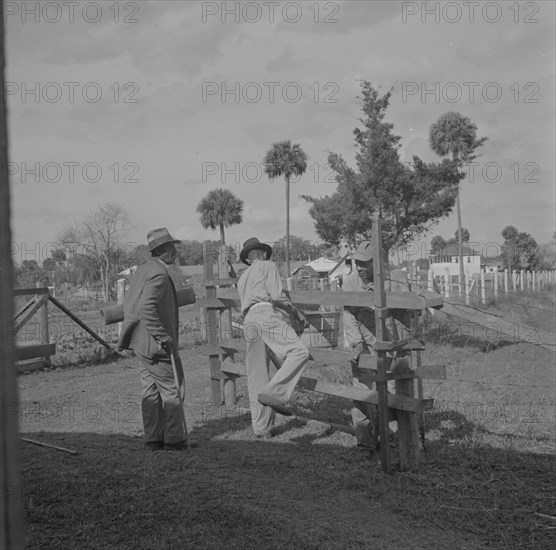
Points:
[(27, 305), (30, 351), (380, 302), (220, 282), (214, 361), (238, 369), (81, 324), (215, 349), (430, 372), (394, 401), (394, 300), (115, 313), (29, 291), (330, 356), (432, 299), (408, 436), (498, 326), (32, 365), (407, 344), (29, 313), (218, 303)]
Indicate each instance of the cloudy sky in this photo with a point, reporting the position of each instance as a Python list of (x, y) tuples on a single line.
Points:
[(153, 104)]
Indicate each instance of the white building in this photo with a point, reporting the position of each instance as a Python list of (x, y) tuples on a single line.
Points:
[(445, 263)]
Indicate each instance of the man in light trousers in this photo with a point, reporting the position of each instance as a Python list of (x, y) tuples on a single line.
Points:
[(267, 326)]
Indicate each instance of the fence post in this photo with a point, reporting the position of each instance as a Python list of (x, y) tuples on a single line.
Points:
[(43, 324), (225, 314), (466, 279), (381, 335), (289, 283), (514, 279), (448, 286), (496, 284), (120, 290), (506, 285), (522, 280), (407, 422), (431, 280), (214, 360), (483, 288)]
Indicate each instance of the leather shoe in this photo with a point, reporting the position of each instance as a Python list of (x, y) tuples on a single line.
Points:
[(274, 404), (264, 436), (180, 446)]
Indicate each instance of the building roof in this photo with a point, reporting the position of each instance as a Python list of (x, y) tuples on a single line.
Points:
[(453, 250), (323, 265), (307, 269)]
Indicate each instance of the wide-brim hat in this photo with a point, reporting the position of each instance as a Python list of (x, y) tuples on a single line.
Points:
[(254, 244), (158, 237), (364, 252)]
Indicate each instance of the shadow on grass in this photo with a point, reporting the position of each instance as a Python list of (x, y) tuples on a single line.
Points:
[(302, 489)]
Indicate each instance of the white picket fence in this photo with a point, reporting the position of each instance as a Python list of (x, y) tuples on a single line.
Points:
[(488, 284)]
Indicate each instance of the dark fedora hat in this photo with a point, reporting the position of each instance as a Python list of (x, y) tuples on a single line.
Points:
[(158, 237), (254, 244)]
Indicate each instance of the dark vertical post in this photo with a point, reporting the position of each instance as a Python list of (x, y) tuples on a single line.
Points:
[(381, 335), (11, 506), (211, 328), (43, 325)]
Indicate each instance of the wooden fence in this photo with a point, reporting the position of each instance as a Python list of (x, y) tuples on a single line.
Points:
[(481, 287), (398, 359), (36, 355)]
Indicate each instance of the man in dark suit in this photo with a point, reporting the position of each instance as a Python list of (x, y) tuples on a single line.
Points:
[(150, 328)]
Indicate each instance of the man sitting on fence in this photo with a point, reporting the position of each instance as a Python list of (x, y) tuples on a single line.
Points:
[(150, 328), (359, 332), (267, 325)]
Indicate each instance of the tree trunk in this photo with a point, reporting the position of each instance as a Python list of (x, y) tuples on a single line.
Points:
[(222, 233), (288, 273), (460, 246)]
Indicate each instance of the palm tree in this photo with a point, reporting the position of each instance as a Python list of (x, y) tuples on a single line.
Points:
[(456, 134), (285, 159), (220, 208)]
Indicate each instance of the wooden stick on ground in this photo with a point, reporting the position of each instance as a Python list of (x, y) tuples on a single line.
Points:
[(34, 442)]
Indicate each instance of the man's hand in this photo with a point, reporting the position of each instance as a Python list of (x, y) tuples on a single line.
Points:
[(355, 353), (167, 346)]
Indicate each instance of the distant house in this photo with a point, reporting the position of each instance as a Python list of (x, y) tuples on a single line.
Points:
[(446, 262), (492, 265), (321, 268)]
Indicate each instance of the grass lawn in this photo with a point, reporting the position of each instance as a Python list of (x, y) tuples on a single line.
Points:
[(487, 479)]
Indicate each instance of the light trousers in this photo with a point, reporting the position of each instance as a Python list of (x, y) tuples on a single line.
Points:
[(264, 327)]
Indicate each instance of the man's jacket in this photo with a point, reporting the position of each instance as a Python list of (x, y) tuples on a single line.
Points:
[(151, 318)]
